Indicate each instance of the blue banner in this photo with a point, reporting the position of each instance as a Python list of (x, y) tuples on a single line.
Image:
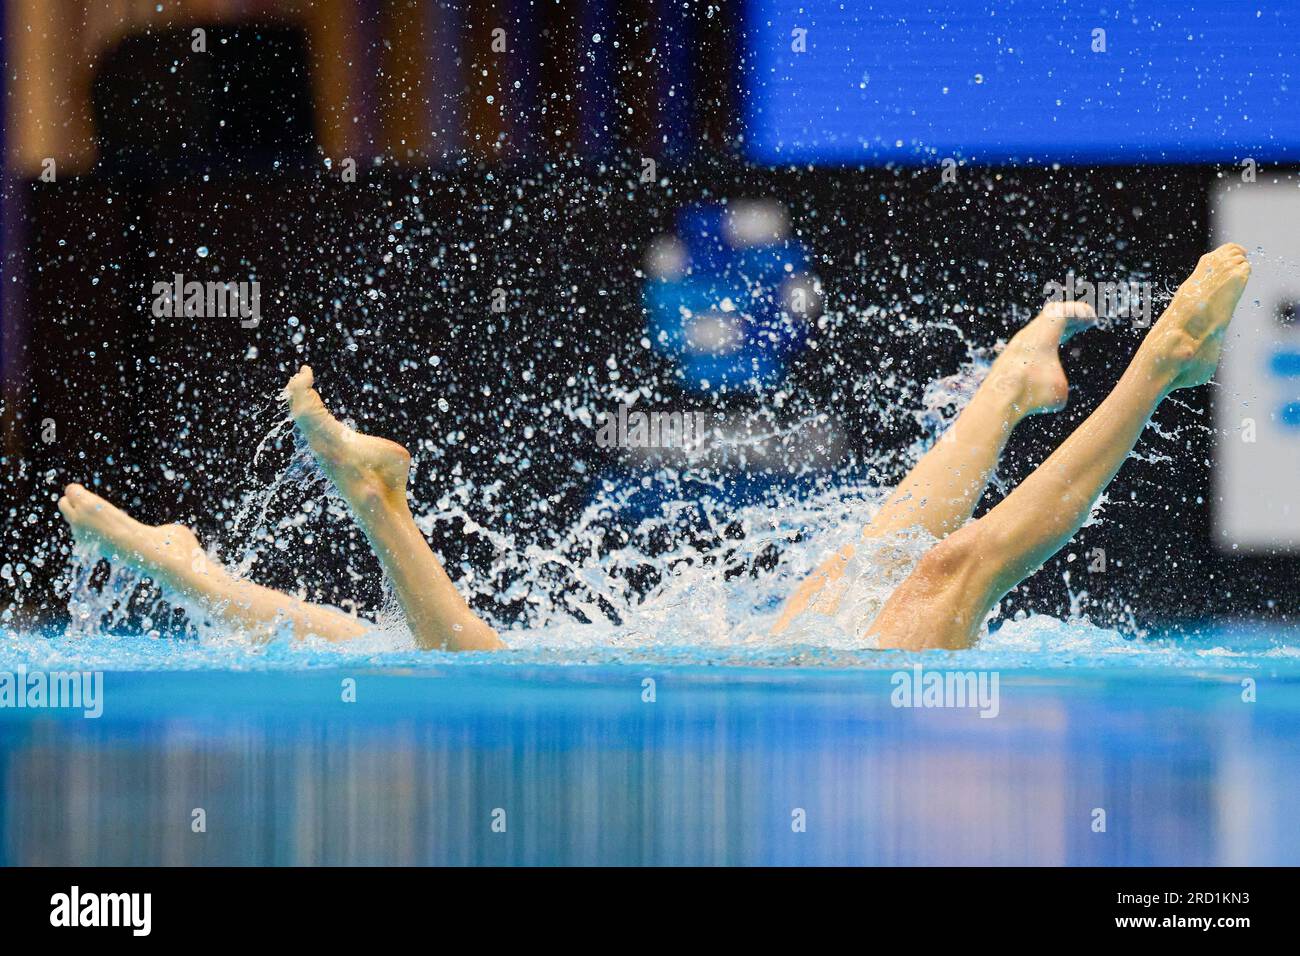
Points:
[(875, 81)]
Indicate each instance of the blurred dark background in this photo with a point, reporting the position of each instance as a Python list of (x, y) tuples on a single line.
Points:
[(521, 170)]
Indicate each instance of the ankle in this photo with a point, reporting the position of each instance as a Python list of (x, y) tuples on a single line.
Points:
[(1008, 392), (372, 494), (1156, 367), (1167, 351), (202, 575)]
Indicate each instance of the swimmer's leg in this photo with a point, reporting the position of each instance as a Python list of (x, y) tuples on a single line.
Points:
[(371, 475), (943, 603), (171, 556), (941, 491)]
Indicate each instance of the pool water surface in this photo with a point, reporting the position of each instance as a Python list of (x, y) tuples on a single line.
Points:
[(1160, 752)]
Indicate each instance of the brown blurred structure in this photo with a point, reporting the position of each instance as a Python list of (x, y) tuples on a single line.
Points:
[(413, 80), (419, 83)]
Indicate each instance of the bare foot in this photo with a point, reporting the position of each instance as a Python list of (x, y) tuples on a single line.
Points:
[(1188, 338), (365, 469), (169, 553), (1029, 368)]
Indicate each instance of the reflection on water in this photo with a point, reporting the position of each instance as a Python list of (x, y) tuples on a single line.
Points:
[(713, 771)]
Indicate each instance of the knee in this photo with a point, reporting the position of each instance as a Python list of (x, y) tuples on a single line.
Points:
[(943, 601), (959, 556)]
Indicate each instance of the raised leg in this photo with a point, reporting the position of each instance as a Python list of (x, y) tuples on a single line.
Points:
[(940, 493), (171, 556), (943, 603), (371, 475)]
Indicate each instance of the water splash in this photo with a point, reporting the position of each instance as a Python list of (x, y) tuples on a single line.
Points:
[(697, 574), (675, 558)]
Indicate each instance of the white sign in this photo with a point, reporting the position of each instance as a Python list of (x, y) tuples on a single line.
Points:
[(1257, 403)]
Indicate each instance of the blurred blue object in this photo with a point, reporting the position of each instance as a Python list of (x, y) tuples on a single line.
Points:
[(730, 297)]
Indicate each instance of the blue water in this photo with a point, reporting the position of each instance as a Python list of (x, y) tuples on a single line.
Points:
[(561, 747)]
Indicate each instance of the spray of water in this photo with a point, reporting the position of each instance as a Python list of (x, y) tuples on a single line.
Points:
[(673, 555)]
